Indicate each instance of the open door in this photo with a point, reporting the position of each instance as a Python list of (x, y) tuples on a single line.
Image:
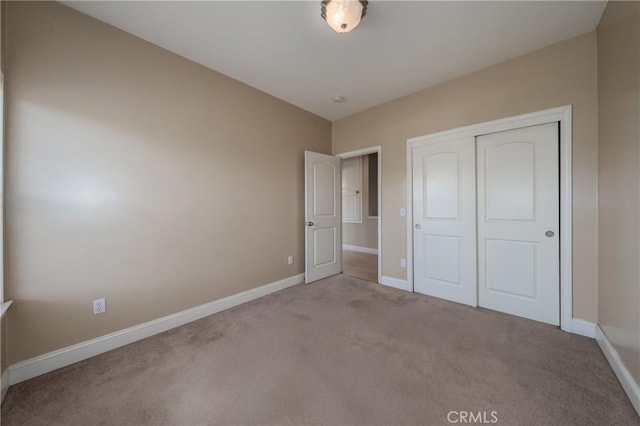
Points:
[(323, 233)]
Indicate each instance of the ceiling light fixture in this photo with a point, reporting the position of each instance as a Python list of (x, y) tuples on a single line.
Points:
[(343, 15), (339, 99)]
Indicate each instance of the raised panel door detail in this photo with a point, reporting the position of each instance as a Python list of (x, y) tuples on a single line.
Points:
[(324, 246), (442, 258), (511, 266), (442, 186), (510, 181), (323, 190)]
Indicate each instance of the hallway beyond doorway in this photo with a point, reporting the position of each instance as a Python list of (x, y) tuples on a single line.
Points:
[(360, 265)]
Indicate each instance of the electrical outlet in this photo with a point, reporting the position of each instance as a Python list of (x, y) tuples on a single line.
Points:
[(99, 306), (290, 260), (403, 263)]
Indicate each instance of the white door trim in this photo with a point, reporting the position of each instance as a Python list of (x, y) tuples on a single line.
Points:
[(561, 114), (365, 151)]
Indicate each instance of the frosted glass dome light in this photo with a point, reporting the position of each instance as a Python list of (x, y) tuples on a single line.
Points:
[(343, 15)]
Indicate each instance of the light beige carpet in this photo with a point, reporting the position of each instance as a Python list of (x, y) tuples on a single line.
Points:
[(338, 352)]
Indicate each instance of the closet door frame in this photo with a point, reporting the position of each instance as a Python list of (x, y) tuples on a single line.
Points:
[(563, 115)]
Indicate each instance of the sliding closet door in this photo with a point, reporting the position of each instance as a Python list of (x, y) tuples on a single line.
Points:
[(444, 221), (518, 222)]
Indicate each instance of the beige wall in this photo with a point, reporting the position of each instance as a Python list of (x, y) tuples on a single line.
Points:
[(562, 74), (363, 234), (139, 176), (619, 179)]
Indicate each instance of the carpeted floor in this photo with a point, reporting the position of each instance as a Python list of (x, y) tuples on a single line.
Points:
[(340, 351)]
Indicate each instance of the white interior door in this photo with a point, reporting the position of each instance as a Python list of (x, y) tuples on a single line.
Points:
[(518, 222), (444, 220), (352, 190), (323, 234)]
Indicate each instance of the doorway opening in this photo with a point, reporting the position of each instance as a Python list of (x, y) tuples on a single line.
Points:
[(361, 214)]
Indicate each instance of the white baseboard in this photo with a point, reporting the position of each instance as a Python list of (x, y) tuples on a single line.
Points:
[(629, 385), (583, 328), (395, 283), (359, 249), (4, 384), (42, 364)]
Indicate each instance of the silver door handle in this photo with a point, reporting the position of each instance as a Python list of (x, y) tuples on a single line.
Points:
[(417, 226), (309, 223), (549, 234)]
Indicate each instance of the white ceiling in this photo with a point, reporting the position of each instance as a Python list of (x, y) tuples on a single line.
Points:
[(285, 49)]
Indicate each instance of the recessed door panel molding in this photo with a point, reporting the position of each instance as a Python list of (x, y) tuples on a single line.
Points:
[(442, 185), (510, 180), (444, 220), (518, 222), (323, 184), (324, 248), (442, 258), (520, 279), (323, 199)]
